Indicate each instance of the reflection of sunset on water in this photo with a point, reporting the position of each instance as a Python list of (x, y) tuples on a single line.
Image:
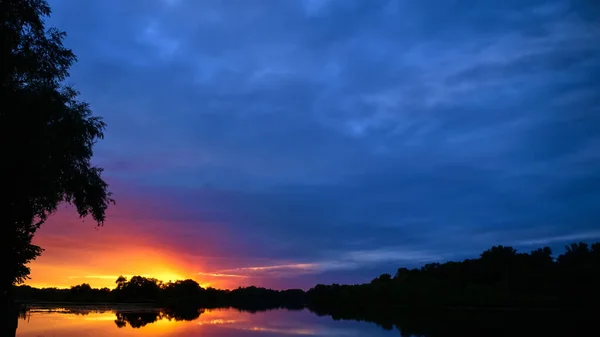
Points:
[(250, 322), (91, 324), (143, 321), (101, 324)]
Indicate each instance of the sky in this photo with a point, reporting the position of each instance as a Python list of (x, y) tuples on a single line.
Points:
[(288, 143)]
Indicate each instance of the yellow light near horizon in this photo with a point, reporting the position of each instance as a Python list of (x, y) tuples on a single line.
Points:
[(103, 275), (108, 281), (76, 254)]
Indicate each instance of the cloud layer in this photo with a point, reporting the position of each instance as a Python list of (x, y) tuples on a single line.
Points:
[(333, 140)]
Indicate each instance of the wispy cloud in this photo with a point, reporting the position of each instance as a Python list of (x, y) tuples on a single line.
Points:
[(391, 254), (347, 261), (568, 238), (102, 277), (220, 275), (273, 270)]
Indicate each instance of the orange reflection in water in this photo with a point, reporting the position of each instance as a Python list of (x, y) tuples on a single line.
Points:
[(86, 323), (153, 322)]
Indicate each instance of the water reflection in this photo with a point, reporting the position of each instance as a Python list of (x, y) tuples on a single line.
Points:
[(137, 319), (182, 322), (89, 321)]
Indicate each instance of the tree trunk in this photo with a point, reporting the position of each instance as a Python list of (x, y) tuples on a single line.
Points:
[(9, 317)]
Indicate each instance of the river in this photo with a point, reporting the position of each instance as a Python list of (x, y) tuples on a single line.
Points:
[(104, 321)]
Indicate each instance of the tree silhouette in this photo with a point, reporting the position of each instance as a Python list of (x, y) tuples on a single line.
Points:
[(180, 292), (138, 289), (47, 137), (576, 253), (121, 282)]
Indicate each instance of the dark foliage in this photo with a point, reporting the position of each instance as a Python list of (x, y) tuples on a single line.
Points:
[(46, 135), (180, 296), (500, 277)]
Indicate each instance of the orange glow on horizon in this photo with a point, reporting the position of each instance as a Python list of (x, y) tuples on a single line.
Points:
[(150, 238), (76, 253), (104, 270)]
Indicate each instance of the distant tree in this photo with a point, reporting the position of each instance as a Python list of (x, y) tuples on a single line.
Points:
[(596, 251), (495, 263), (139, 288), (401, 274), (499, 254), (121, 281), (576, 253), (430, 267), (186, 290), (383, 278), (542, 257), (84, 287), (46, 135)]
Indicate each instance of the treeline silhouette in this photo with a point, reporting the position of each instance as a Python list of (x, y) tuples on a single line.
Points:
[(500, 277), (180, 295)]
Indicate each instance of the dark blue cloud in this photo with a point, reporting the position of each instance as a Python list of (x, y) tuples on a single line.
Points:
[(352, 135)]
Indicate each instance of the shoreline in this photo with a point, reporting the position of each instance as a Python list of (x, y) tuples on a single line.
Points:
[(153, 305)]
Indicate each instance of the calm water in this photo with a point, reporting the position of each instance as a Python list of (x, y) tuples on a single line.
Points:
[(81, 322)]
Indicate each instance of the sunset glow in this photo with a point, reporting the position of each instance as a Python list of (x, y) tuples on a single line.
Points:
[(146, 236), (293, 151), (77, 252), (270, 168)]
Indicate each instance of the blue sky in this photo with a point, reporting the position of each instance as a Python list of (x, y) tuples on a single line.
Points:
[(335, 140)]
